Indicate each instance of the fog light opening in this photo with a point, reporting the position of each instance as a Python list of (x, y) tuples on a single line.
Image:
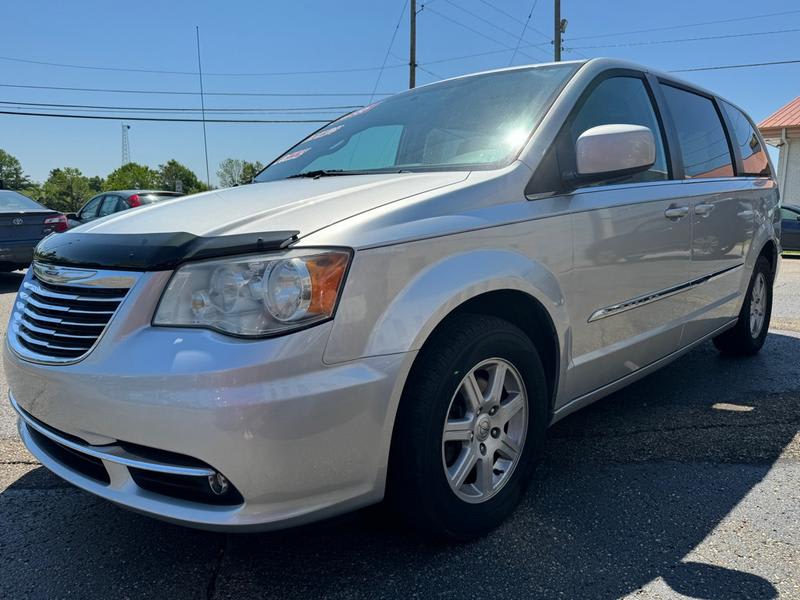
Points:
[(218, 484)]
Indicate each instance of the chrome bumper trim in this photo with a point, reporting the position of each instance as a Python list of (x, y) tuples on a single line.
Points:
[(113, 454)]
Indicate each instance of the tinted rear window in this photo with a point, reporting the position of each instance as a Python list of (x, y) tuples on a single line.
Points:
[(754, 158), (704, 145), (15, 201)]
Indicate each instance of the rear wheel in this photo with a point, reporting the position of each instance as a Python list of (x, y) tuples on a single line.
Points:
[(748, 335), (469, 428)]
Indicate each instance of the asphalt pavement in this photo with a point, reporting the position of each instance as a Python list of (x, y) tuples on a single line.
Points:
[(684, 485)]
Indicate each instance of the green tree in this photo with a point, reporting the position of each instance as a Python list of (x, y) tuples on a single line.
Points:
[(132, 176), (97, 184), (172, 172), (234, 171), (250, 170), (11, 173), (65, 190)]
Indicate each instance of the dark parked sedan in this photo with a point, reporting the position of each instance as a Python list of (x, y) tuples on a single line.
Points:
[(23, 223), (790, 227), (109, 203)]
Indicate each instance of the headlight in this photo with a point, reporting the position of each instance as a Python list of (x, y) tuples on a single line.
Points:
[(257, 295)]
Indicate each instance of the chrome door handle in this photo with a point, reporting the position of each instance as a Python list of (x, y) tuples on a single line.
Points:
[(676, 212), (703, 210)]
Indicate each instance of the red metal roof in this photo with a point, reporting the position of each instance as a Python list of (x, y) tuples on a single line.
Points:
[(787, 116)]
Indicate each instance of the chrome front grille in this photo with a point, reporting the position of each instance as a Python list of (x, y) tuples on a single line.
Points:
[(61, 313)]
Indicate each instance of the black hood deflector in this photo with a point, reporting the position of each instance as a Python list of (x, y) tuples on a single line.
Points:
[(151, 251)]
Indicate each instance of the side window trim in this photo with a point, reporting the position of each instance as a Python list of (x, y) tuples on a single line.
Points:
[(671, 140), (727, 125), (724, 123)]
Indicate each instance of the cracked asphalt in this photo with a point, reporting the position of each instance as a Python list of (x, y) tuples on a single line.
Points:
[(684, 485)]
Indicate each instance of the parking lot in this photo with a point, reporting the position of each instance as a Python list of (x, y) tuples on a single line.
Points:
[(686, 484)]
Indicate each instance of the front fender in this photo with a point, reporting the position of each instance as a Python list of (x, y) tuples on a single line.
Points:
[(395, 302)]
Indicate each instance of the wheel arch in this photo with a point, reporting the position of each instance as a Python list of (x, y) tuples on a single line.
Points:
[(528, 314), (770, 251)]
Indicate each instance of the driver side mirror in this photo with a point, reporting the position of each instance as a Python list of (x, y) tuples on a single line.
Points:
[(73, 216), (609, 151)]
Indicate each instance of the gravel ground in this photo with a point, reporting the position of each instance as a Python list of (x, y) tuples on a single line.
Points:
[(684, 485)]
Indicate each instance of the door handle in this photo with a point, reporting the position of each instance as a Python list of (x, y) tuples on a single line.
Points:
[(676, 212), (703, 210)]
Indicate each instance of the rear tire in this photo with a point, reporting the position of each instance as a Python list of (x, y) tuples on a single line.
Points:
[(470, 426), (748, 335)]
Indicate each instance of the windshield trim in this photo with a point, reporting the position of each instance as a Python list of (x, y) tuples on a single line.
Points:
[(492, 166)]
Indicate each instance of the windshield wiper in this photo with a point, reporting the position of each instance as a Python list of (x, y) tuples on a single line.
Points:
[(317, 173)]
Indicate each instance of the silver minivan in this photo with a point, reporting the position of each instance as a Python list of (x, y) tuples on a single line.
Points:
[(401, 304)]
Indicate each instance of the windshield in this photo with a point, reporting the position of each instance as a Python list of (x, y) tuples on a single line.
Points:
[(477, 122), (15, 201)]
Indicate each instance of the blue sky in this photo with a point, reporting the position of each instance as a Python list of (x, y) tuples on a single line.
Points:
[(313, 35)]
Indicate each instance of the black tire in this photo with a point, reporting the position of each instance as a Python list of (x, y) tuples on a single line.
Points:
[(740, 341), (418, 488)]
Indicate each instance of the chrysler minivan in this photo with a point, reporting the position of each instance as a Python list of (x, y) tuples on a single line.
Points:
[(401, 304)]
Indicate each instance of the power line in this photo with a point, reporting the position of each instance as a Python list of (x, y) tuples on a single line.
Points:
[(465, 56), (521, 22), (740, 66), (524, 28), (389, 49), (180, 93), (490, 23), (671, 27), (160, 119), (167, 72), (164, 109), (513, 18), (30, 106), (694, 39), (476, 32), (202, 104)]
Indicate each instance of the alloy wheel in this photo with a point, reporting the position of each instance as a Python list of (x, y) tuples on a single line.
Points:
[(484, 431), (758, 304)]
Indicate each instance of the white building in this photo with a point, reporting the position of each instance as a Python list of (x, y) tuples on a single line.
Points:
[(782, 129)]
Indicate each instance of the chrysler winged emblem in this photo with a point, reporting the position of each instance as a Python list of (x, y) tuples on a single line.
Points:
[(54, 274)]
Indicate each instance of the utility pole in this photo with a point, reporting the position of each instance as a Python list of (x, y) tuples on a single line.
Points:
[(202, 104), (126, 146), (557, 32), (412, 55)]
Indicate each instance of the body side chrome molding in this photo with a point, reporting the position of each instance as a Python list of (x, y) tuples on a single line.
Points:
[(113, 454), (616, 309)]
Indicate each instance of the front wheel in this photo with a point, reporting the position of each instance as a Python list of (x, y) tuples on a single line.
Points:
[(469, 427), (748, 335)]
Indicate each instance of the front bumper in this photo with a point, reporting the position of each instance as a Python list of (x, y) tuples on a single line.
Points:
[(299, 440)]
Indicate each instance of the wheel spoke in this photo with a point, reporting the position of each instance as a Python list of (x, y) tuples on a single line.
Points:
[(494, 391), (462, 467), (484, 479), (472, 393), (511, 407), (458, 430), (508, 448)]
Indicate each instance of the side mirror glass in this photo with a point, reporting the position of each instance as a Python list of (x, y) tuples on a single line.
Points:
[(73, 216), (613, 151)]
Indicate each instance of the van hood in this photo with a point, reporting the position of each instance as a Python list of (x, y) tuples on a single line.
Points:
[(302, 205)]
